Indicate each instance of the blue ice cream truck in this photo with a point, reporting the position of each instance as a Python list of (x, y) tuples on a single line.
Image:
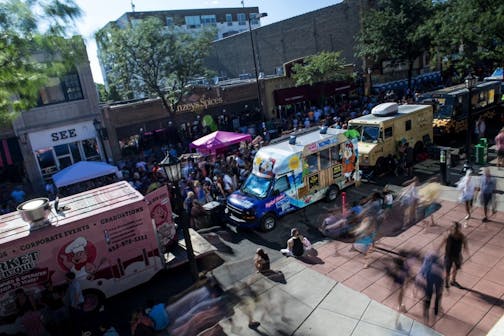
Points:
[(293, 172)]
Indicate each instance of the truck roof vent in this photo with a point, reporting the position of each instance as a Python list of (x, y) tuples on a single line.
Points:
[(323, 130), (35, 212), (292, 140), (385, 109)]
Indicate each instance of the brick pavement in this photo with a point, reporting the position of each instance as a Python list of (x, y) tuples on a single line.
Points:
[(469, 311)]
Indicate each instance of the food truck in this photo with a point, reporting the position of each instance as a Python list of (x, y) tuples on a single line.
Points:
[(451, 109), (389, 125), (291, 173), (112, 238)]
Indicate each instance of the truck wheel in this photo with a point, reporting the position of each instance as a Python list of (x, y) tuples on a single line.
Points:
[(94, 299), (332, 193), (268, 223)]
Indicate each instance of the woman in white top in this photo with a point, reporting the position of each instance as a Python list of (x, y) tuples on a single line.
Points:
[(467, 188)]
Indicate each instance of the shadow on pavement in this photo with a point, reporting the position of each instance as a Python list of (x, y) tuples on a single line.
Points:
[(276, 276)]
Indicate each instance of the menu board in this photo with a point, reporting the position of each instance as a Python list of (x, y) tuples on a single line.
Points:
[(336, 171)]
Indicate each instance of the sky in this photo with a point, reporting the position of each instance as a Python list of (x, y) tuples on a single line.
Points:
[(97, 13)]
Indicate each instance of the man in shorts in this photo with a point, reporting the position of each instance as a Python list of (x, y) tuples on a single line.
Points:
[(454, 243), (499, 143)]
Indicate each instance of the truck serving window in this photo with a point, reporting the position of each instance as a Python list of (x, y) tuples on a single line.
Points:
[(324, 159), (257, 186), (312, 162), (335, 154), (388, 132)]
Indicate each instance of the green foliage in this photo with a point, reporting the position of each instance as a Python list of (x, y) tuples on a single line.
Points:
[(33, 48), (468, 31), (394, 31), (325, 66), (150, 58)]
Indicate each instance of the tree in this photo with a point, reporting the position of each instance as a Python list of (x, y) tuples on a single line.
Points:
[(151, 59), (394, 31), (468, 31), (33, 48), (325, 66)]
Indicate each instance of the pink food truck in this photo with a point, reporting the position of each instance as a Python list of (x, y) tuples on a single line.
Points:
[(113, 238)]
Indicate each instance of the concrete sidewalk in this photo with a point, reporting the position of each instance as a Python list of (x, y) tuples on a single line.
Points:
[(298, 300), (471, 310), (310, 303)]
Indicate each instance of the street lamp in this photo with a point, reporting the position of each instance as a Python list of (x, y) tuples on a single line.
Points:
[(470, 83), (370, 82), (256, 16), (98, 128), (171, 167)]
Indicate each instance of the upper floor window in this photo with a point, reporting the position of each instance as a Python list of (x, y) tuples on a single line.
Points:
[(193, 21), (208, 20), (68, 88), (229, 19), (242, 19), (169, 21)]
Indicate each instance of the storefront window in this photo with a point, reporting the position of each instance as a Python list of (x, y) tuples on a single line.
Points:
[(90, 148), (61, 150), (45, 158), (74, 148), (64, 162)]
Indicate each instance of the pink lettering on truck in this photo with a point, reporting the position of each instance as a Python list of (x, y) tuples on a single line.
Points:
[(105, 236)]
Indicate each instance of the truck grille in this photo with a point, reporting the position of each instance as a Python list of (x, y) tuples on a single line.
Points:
[(234, 211)]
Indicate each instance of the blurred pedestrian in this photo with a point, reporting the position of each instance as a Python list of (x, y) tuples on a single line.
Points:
[(467, 189), (454, 243), (499, 144), (487, 189), (432, 272)]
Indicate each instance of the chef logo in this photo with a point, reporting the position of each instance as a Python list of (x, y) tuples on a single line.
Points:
[(78, 257)]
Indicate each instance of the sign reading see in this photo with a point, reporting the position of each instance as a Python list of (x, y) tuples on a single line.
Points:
[(65, 134)]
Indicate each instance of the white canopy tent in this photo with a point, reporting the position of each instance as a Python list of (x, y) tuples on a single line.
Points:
[(83, 171)]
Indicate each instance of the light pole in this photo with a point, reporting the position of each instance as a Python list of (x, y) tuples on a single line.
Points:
[(98, 128), (171, 167), (470, 83), (370, 82), (256, 16)]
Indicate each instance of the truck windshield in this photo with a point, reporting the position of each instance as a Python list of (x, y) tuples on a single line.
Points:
[(257, 186), (367, 133), (443, 111)]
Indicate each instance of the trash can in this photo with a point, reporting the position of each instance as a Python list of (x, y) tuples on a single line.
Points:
[(479, 154)]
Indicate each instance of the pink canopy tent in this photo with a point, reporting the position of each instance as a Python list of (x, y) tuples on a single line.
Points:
[(218, 140)]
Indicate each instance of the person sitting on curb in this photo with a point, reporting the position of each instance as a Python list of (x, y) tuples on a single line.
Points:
[(297, 245), (261, 261)]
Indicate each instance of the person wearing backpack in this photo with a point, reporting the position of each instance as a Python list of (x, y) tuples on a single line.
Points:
[(296, 245)]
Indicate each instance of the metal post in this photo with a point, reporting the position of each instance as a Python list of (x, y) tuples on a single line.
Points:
[(469, 130), (259, 96), (98, 128), (185, 223), (443, 166)]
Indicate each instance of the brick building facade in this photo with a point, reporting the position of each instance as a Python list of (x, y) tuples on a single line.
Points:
[(331, 28)]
